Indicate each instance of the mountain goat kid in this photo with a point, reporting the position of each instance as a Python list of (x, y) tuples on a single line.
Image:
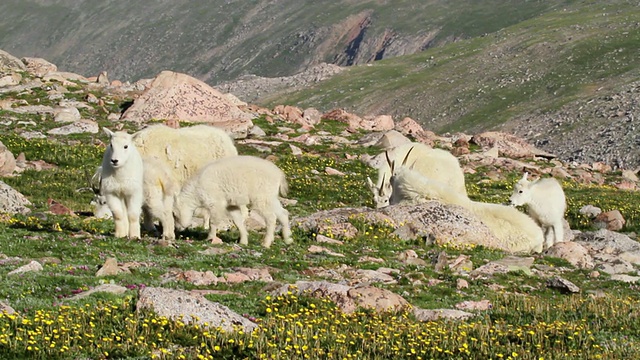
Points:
[(434, 164), (546, 204), (121, 183), (226, 185)]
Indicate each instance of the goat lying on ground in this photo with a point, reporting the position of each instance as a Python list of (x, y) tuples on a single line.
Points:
[(546, 204), (225, 186), (514, 230), (434, 164), (121, 183)]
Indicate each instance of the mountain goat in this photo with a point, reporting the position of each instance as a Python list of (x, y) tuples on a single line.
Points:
[(183, 151), (159, 190), (434, 164), (226, 185), (546, 204), (515, 231), (121, 183)]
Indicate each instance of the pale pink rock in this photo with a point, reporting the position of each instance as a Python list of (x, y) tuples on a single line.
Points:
[(610, 220), (179, 96), (573, 252), (508, 145), (7, 161)]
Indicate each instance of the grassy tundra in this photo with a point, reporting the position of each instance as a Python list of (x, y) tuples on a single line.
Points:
[(527, 320)]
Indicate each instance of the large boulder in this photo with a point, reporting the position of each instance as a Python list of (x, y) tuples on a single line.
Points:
[(431, 221), (10, 62), (348, 298), (176, 96), (11, 201), (192, 308), (7, 161)]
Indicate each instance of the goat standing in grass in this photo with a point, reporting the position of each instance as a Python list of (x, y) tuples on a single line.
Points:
[(546, 204), (226, 186), (121, 183)]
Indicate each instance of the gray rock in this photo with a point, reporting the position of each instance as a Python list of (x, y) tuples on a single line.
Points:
[(191, 308), (10, 62), (424, 315), (66, 114), (107, 288), (32, 266), (78, 127), (606, 241), (11, 201), (562, 284)]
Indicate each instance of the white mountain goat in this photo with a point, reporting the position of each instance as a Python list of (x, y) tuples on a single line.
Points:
[(546, 204), (410, 186), (99, 201), (183, 151), (227, 185), (121, 183), (434, 164), (159, 191), (514, 230)]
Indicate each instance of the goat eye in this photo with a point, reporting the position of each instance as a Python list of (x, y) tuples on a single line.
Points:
[(126, 146), (520, 191)]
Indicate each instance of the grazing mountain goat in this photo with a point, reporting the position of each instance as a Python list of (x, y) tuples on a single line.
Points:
[(227, 185), (410, 186), (434, 164), (121, 183), (546, 204), (99, 201)]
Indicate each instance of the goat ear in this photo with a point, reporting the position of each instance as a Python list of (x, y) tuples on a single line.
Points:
[(526, 174), (370, 183), (406, 157), (108, 132)]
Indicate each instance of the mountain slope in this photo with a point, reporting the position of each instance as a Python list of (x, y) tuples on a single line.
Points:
[(537, 78), (222, 40)]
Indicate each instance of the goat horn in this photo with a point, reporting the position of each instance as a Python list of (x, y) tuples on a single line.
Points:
[(382, 185), (389, 162), (406, 157)]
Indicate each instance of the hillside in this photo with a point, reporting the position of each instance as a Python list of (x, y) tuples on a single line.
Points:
[(221, 41), (558, 80)]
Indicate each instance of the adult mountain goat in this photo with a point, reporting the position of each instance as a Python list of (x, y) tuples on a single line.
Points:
[(225, 186), (546, 204), (121, 183), (514, 231), (434, 164), (183, 151)]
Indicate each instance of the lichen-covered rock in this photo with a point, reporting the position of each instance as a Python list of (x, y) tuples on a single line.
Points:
[(192, 308), (11, 201)]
